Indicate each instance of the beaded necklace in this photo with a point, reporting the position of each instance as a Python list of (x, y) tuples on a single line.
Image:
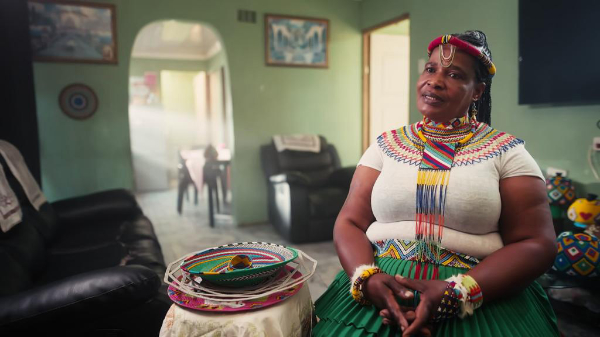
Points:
[(441, 142)]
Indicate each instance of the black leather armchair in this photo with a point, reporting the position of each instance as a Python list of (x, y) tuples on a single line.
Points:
[(85, 266), (306, 191)]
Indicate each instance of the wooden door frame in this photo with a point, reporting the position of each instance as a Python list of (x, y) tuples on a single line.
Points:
[(366, 75)]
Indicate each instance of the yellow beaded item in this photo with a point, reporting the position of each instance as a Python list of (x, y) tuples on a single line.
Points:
[(469, 294), (357, 284), (475, 295)]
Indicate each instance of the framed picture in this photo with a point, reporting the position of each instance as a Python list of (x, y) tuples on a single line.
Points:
[(72, 31), (296, 41)]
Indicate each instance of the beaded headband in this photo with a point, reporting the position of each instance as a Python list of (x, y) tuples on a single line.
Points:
[(467, 47)]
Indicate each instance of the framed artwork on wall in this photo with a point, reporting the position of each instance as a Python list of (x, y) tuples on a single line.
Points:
[(296, 41), (72, 31)]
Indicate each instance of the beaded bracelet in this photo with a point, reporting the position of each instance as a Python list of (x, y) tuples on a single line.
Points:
[(449, 306), (469, 294), (361, 274)]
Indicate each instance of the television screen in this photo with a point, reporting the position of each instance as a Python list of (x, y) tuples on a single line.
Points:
[(559, 52)]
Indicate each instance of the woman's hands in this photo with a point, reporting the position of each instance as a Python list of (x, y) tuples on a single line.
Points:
[(409, 314), (381, 290), (431, 292)]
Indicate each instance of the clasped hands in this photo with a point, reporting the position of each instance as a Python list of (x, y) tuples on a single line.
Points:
[(384, 289)]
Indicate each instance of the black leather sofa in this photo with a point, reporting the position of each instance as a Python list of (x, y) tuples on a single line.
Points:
[(306, 191), (85, 266)]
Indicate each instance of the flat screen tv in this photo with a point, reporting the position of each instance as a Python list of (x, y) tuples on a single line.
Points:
[(559, 52)]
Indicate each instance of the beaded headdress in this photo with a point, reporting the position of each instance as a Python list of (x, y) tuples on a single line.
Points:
[(478, 52)]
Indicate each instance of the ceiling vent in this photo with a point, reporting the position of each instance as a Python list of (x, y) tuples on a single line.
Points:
[(246, 16)]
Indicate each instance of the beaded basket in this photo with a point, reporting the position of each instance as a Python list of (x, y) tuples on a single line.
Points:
[(212, 264), (578, 255), (560, 191), (198, 302)]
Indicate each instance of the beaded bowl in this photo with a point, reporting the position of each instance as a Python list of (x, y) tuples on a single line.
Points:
[(198, 302), (578, 255), (212, 264)]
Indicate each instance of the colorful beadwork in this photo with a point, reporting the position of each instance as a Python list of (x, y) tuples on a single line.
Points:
[(470, 296), (239, 262), (357, 293), (405, 146), (212, 264), (199, 303), (438, 156), (585, 211), (560, 190), (449, 306), (406, 250), (474, 291), (469, 48), (441, 141), (578, 255)]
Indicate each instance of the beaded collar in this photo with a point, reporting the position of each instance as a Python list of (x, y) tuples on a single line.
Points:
[(457, 130)]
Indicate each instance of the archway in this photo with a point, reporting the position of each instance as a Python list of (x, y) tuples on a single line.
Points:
[(180, 106)]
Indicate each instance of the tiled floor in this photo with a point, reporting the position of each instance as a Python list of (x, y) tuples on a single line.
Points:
[(190, 232)]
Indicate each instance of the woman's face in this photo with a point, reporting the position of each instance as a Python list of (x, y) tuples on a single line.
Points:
[(446, 93)]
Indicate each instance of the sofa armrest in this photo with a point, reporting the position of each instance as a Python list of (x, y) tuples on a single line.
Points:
[(293, 177), (111, 204), (342, 177), (78, 298)]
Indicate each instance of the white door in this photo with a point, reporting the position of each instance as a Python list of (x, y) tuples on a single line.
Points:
[(389, 83)]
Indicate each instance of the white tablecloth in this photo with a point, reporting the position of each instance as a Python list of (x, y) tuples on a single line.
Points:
[(292, 317)]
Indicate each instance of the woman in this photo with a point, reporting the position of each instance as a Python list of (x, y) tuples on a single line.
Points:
[(455, 213)]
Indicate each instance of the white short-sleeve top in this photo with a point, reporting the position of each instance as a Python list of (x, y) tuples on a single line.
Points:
[(473, 201)]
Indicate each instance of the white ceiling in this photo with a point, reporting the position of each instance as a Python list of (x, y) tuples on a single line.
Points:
[(176, 40)]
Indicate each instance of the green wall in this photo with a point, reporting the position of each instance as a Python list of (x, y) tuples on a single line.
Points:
[(84, 156), (556, 136)]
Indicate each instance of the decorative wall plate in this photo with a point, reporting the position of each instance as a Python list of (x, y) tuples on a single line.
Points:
[(78, 101)]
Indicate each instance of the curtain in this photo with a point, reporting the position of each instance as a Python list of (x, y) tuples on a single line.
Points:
[(18, 117)]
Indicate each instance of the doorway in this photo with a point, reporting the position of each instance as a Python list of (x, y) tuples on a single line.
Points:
[(386, 77), (180, 110)]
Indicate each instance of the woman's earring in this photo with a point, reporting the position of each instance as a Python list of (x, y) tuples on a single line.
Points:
[(473, 111)]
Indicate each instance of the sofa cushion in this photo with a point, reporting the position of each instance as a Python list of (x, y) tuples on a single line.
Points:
[(13, 277), (26, 247), (68, 262), (92, 294)]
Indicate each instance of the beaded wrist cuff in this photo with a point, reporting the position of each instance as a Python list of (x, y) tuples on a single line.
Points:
[(449, 307), (469, 293), (361, 275)]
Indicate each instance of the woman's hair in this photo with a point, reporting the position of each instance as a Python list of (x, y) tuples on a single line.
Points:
[(484, 104)]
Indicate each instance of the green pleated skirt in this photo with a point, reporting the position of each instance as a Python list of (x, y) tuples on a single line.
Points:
[(525, 314)]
